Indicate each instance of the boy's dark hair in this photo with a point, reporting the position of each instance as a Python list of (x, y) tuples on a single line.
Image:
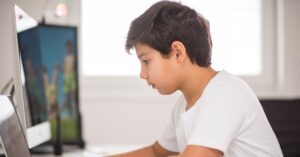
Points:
[(166, 22)]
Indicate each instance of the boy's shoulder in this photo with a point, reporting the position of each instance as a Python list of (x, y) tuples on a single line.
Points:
[(226, 80)]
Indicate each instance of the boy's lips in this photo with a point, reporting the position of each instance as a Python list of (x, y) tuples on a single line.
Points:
[(152, 85)]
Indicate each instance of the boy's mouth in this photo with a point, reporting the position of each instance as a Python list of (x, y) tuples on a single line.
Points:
[(152, 85)]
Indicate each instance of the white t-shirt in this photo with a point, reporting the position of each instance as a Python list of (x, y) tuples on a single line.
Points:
[(227, 117)]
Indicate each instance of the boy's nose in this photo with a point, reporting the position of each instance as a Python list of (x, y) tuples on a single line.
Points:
[(143, 75)]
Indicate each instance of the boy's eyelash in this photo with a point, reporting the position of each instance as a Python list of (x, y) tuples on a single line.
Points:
[(146, 61)]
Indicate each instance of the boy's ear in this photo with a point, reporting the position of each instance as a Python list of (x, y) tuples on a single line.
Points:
[(179, 50)]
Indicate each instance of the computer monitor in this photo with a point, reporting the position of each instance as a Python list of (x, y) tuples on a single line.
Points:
[(49, 56), (50, 59), (36, 133)]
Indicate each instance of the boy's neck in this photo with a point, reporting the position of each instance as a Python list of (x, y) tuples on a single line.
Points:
[(195, 82)]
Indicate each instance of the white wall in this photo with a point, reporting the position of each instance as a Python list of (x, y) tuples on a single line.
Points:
[(289, 23), (5, 45), (123, 110)]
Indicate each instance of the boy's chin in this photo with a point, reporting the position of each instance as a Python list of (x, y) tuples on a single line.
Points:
[(165, 92)]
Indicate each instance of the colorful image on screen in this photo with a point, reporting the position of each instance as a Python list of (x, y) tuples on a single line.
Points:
[(49, 57)]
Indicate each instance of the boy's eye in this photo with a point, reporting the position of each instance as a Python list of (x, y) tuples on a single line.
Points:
[(146, 62)]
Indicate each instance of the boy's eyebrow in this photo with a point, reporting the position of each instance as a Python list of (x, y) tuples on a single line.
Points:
[(142, 54)]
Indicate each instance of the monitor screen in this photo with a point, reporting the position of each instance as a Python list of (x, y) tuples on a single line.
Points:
[(49, 57)]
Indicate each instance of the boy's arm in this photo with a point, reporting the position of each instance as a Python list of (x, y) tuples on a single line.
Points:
[(155, 150), (199, 151)]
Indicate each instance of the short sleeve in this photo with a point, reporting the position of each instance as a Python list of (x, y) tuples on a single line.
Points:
[(168, 138), (218, 119)]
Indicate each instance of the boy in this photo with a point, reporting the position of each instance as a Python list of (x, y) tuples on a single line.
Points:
[(218, 114)]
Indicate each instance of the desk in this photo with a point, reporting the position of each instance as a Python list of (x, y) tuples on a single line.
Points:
[(96, 151)]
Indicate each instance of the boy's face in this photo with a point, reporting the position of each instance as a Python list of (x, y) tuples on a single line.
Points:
[(159, 72)]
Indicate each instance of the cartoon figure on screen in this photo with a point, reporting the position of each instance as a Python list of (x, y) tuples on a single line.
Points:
[(51, 91), (217, 114), (69, 80), (33, 89)]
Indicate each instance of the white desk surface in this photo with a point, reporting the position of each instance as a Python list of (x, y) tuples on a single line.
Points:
[(95, 151)]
